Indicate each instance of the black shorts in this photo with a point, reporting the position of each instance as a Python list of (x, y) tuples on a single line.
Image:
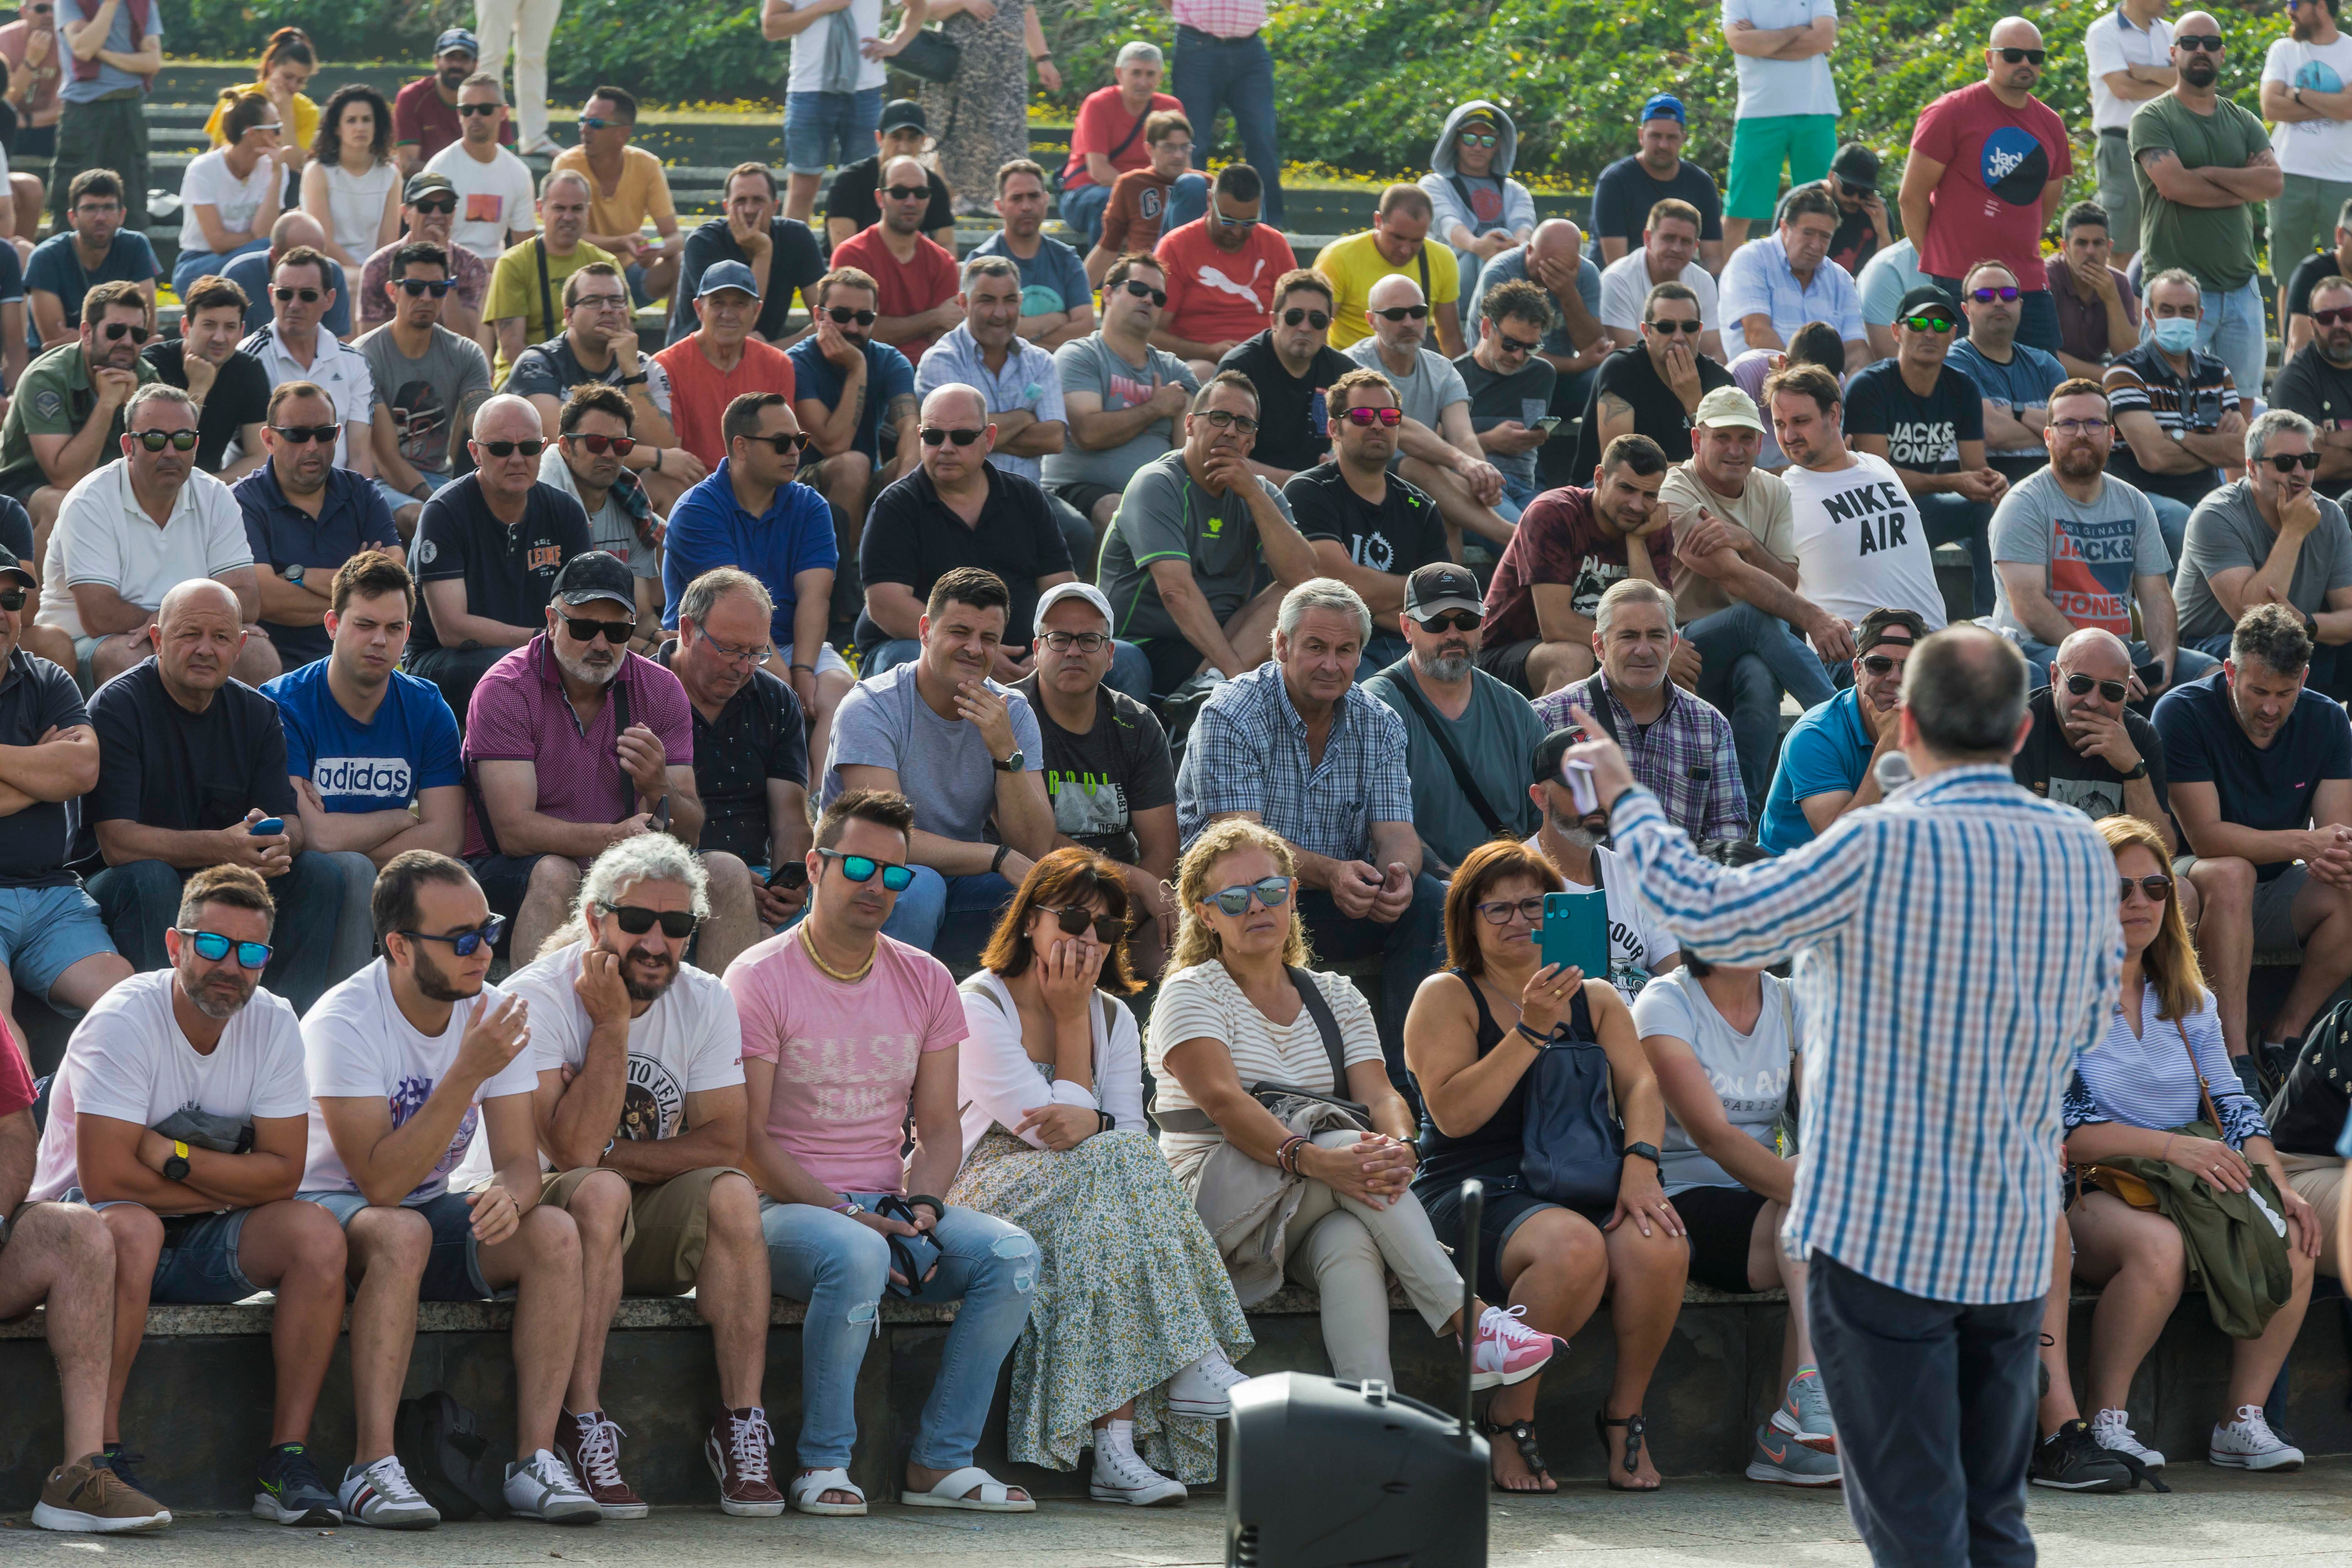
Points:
[(1721, 1222), (1174, 661), (1508, 1207), (1507, 662), (505, 879), (1081, 494)]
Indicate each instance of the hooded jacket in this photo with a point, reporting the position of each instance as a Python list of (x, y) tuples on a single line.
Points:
[(1449, 193)]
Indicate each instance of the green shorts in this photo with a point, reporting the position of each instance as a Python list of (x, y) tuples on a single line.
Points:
[(1805, 142)]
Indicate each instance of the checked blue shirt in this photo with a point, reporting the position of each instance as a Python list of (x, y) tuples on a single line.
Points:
[(1955, 949), (1248, 752)]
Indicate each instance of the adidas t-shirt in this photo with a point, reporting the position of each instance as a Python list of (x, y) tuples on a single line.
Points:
[(1860, 543)]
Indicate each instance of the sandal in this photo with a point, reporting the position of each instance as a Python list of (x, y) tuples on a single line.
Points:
[(1522, 1434), (1636, 1428)]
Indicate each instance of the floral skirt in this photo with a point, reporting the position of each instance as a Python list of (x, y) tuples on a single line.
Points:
[(1132, 1290)]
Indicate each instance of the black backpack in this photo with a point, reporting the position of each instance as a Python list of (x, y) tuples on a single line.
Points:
[(2307, 1115)]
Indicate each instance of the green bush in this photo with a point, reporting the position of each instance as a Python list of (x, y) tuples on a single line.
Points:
[(343, 29)]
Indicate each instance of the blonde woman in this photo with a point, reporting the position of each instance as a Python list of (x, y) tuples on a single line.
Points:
[(287, 62)]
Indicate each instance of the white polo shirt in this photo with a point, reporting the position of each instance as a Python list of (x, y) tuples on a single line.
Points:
[(104, 536), (341, 370)]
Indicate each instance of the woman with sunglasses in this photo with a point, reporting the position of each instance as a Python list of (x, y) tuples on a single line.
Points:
[(351, 185), (1475, 206), (1134, 1322), (1231, 1019), (287, 62), (229, 196), (2161, 1055), (1472, 1034)]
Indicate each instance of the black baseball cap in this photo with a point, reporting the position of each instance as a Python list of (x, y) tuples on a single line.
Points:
[(1440, 586), (903, 115), (1926, 297), (1856, 165), (1551, 749), (8, 562), (596, 574), (1878, 623)]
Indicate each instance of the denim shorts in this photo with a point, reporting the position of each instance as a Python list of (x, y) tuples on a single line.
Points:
[(44, 931), (825, 130), (396, 499), (198, 1266), (453, 1269)]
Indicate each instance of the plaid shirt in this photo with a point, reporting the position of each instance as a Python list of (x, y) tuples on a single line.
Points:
[(1955, 949), (1222, 18), (1686, 757), (1248, 752)]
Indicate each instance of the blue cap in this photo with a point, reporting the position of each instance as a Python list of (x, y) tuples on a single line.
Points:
[(728, 275), (456, 39), (1663, 106)]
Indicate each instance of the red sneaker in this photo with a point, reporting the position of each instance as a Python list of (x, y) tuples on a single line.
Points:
[(590, 1444), (737, 1448)]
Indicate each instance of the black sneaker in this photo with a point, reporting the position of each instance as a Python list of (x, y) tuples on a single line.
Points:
[(2070, 1461), (119, 1459), (287, 1491)]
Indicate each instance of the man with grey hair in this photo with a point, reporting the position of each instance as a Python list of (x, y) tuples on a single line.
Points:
[(1014, 377), (1274, 744), (640, 1114), (2271, 538), (297, 346), (2178, 410), (1107, 139), (1681, 748), (523, 306)]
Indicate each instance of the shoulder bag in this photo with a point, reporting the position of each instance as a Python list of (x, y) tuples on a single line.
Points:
[(1124, 142), (2308, 1114), (1399, 674), (1267, 1093), (1572, 1145)]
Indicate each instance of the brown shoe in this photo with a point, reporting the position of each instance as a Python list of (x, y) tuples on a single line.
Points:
[(738, 1451), (87, 1497), (590, 1444)]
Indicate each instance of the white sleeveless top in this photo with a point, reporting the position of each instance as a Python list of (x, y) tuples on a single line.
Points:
[(355, 207)]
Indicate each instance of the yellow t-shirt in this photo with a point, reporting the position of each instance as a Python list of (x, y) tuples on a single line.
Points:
[(643, 193), (1353, 266), (301, 133), (514, 291)]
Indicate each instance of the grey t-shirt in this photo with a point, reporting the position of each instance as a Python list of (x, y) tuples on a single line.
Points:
[(1525, 396), (2088, 551), (425, 394), (1496, 735), (1090, 364), (2227, 531), (610, 529), (943, 765), (1749, 1072), (1165, 516), (1433, 386)]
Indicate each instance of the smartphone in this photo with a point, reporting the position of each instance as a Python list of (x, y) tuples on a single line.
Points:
[(660, 824), (789, 877), (1575, 930), (2150, 674), (1547, 423), (267, 825)]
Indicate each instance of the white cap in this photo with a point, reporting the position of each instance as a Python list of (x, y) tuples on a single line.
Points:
[(1061, 590)]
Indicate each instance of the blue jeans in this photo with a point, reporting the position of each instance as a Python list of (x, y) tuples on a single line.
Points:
[(825, 130), (1130, 667), (1382, 649), (140, 897), (1082, 210), (1517, 494), (1747, 658), (2172, 522), (1237, 74), (1955, 520), (2188, 663), (840, 1268), (2233, 332), (195, 264), (937, 908), (1188, 199)]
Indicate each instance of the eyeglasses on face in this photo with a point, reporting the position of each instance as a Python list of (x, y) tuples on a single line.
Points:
[(417, 287), (1502, 911), (636, 920), (12, 599), (1084, 642), (2078, 426), (2288, 462), (469, 109), (1452, 621), (2012, 57), (616, 633), (2192, 42), (906, 193), (115, 331), (464, 943), (530, 448), (596, 122), (2113, 690), (2156, 889), (1271, 893), (733, 655), (1668, 329), (1880, 664), (1929, 323), (1319, 319), (2007, 295), (156, 440), (308, 296), (435, 206), (1387, 417), (619, 446), (1224, 418), (791, 443), (1142, 290), (1074, 922), (842, 315), (962, 435), (1403, 312), (861, 869), (303, 435), (598, 301), (212, 947)]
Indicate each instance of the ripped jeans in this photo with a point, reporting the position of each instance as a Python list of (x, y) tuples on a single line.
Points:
[(840, 1267)]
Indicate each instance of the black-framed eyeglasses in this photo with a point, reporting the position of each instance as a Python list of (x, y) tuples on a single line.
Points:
[(1500, 912), (842, 315), (2192, 42), (1880, 664), (115, 331), (2012, 57), (1929, 323), (1084, 642), (156, 440), (616, 633), (1392, 417), (2007, 294), (464, 943), (962, 435), (530, 448), (2079, 427), (1074, 922), (1452, 621), (435, 206), (791, 443), (1478, 139), (303, 435), (1271, 893), (1403, 313), (469, 109), (2113, 690), (1142, 290), (1319, 319), (2288, 462), (619, 446), (906, 193), (2157, 889), (308, 296), (861, 869), (598, 301), (417, 287), (1670, 328), (635, 919), (212, 947), (1222, 418)]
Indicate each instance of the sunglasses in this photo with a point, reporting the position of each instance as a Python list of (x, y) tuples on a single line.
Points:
[(2329, 317), (1500, 912), (2157, 888), (2113, 690), (1879, 663), (1319, 319), (115, 331), (842, 315), (435, 207), (308, 296), (1403, 312), (1511, 345), (1084, 642), (1452, 621), (464, 943), (1929, 323), (417, 287), (619, 446), (2012, 56), (1986, 296), (1469, 140), (1389, 416), (962, 435), (792, 445), (1224, 222), (861, 869), (156, 440), (906, 192), (1670, 328), (212, 947), (1142, 290), (2288, 462), (1108, 928), (2195, 41), (303, 435), (616, 633), (1221, 418), (12, 599), (530, 448), (1270, 892), (590, 122), (635, 919), (470, 109)]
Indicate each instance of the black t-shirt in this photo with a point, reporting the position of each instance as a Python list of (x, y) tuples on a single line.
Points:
[(1855, 241), (796, 263), (1099, 780), (2305, 278), (1920, 431), (37, 842), (1404, 531), (164, 766), (510, 572), (2320, 392), (758, 736), (1293, 429), (2266, 788), (912, 537), (239, 398), (852, 196), (1624, 196), (2052, 769), (1657, 412)]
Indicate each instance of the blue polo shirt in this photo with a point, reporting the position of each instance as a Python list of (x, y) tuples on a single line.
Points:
[(353, 518), (887, 375), (410, 746), (1826, 750), (709, 528)]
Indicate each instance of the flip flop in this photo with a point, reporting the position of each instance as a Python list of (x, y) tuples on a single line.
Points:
[(805, 1492), (995, 1497)]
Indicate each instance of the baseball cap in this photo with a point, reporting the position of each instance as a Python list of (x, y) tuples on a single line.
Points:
[(1551, 749), (728, 275), (1878, 623), (456, 39), (1856, 165), (1727, 407), (1663, 106), (903, 115), (425, 185), (1926, 297), (1440, 586), (8, 562), (596, 574), (1061, 590)]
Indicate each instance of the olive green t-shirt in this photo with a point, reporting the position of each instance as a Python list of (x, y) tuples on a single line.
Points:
[(54, 397), (2215, 243)]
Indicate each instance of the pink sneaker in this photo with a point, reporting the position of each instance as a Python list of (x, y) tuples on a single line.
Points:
[(1506, 1350)]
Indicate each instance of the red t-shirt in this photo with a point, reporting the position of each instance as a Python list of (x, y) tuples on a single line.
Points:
[(1996, 161), (1558, 541), (906, 288), (419, 115), (1215, 295), (1103, 123), (699, 394), (15, 1073)]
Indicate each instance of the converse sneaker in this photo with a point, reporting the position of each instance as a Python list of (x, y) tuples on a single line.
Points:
[(287, 1491), (590, 1444), (2249, 1444), (1506, 1350), (2111, 1429), (380, 1495), (2072, 1460), (737, 1448), (1202, 1391), (543, 1487), (89, 1497), (1120, 1475), (1782, 1460), (1804, 1412)]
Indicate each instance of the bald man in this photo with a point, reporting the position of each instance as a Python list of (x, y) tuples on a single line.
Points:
[(1436, 449), (1987, 175), (488, 549), (253, 270), (2088, 749), (192, 773), (916, 281), (1554, 261)]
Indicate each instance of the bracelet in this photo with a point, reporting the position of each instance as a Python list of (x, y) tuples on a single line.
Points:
[(1040, 60), (1286, 1157), (639, 379), (2166, 1152), (1538, 1041), (658, 458), (997, 865), (844, 1205), (1107, 1119), (938, 1209), (810, 667)]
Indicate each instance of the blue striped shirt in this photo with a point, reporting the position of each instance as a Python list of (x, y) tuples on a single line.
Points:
[(1955, 948), (2148, 1080)]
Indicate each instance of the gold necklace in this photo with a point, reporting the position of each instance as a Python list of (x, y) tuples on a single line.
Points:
[(830, 971)]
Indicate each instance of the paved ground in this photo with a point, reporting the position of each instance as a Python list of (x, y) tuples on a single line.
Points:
[(2211, 1518)]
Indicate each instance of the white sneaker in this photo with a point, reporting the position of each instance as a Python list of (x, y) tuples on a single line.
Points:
[(543, 1487), (1120, 1475), (1202, 1390), (1505, 1350), (380, 1495), (2249, 1444), (2111, 1430)]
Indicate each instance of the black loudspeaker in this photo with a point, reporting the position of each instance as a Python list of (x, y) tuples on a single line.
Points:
[(1325, 1474)]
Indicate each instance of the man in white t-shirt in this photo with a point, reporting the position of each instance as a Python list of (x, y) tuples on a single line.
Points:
[(1640, 946), (2305, 99), (180, 1114), (2128, 52), (833, 89), (410, 1060), (640, 1114), (1861, 544), (1787, 104), (495, 195), (1668, 254)]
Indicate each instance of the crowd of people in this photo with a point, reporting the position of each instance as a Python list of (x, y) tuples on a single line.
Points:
[(1147, 613)]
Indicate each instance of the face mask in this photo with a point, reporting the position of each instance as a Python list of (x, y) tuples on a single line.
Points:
[(2174, 334)]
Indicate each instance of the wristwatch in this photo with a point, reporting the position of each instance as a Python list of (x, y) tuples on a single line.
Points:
[(175, 1165), (1013, 764), (2138, 772), (638, 380), (293, 574), (1647, 1150)]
